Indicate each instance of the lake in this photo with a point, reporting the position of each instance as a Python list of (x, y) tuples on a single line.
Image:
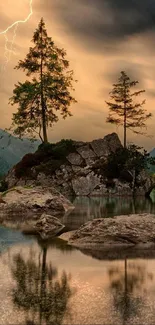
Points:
[(54, 283)]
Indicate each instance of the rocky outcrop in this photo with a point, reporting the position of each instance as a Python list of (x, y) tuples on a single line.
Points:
[(103, 147), (121, 231), (86, 184), (75, 159), (23, 203), (75, 176), (145, 184), (82, 172), (48, 226)]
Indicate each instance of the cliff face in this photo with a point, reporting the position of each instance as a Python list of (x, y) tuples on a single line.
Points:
[(77, 170)]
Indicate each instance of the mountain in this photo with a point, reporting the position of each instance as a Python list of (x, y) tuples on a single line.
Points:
[(152, 153), (151, 167), (13, 149)]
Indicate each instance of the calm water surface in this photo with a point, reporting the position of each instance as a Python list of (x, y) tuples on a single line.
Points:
[(53, 283)]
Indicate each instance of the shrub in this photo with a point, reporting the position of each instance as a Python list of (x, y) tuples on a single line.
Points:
[(3, 185), (28, 161), (124, 160), (57, 150), (62, 149), (47, 158)]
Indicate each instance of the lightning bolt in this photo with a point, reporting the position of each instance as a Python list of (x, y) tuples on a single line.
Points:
[(9, 50)]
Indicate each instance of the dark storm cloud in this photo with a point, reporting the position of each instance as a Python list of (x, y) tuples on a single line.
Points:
[(105, 20), (133, 70)]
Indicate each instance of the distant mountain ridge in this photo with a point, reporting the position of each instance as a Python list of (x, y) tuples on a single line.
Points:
[(12, 150), (151, 167), (152, 153)]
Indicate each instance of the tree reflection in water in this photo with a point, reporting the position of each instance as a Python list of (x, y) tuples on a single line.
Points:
[(39, 291), (126, 289)]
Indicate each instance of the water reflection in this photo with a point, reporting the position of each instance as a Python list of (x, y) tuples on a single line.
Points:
[(39, 291), (98, 207), (128, 289), (52, 283)]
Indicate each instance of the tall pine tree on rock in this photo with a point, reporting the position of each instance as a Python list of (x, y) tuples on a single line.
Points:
[(124, 110), (48, 90)]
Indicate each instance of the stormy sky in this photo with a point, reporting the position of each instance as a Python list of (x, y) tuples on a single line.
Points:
[(102, 38)]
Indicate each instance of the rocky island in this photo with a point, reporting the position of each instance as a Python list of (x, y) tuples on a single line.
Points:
[(80, 169), (35, 198)]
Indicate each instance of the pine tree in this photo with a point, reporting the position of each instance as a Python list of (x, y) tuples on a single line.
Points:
[(48, 90), (124, 111)]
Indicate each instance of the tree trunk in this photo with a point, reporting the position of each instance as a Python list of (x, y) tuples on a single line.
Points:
[(125, 318), (134, 181), (43, 285), (43, 106), (45, 139), (124, 127), (125, 112)]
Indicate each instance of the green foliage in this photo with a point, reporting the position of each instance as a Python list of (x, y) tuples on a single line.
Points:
[(24, 166), (124, 160), (48, 91), (123, 110), (48, 158), (40, 292), (58, 150), (3, 185)]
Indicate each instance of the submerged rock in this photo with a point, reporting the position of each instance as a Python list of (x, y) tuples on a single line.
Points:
[(133, 230), (48, 226)]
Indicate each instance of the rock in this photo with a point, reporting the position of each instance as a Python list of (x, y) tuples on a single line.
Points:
[(90, 162), (48, 226), (100, 147), (76, 169), (100, 190), (85, 185), (113, 142), (133, 230), (121, 188), (145, 183), (86, 152), (44, 180), (21, 203), (11, 178), (82, 172), (75, 159), (103, 147)]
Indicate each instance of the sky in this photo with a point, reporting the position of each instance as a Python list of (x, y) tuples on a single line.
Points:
[(102, 38)]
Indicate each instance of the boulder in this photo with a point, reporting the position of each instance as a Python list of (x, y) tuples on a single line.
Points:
[(145, 183), (85, 185), (131, 231), (113, 142), (103, 147), (86, 152), (75, 159), (100, 147), (22, 203), (48, 226)]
